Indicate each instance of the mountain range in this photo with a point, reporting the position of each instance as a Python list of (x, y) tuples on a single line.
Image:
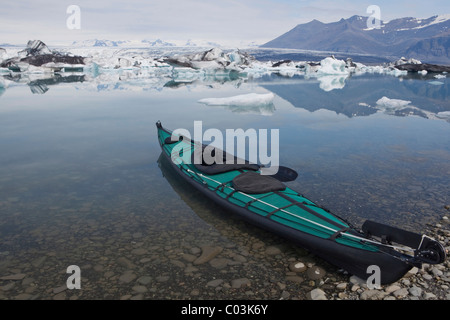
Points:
[(143, 43), (424, 39)]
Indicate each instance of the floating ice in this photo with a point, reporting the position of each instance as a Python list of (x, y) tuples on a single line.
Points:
[(403, 60), (392, 103), (181, 66), (212, 59), (244, 100), (440, 76), (444, 115), (331, 66)]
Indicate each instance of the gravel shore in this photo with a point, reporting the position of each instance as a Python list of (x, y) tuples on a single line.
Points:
[(178, 266), (431, 282)]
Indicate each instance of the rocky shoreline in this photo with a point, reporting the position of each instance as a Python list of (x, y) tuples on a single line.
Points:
[(255, 270), (431, 282)]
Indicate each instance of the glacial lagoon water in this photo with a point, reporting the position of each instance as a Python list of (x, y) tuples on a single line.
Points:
[(81, 181)]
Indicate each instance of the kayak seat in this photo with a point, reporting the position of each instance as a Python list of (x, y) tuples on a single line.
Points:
[(254, 183), (217, 168), (221, 168)]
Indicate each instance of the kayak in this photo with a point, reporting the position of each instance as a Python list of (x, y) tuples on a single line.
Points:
[(266, 201)]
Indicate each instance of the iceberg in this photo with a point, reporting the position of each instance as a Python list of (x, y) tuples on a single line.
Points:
[(251, 103), (385, 102), (330, 72), (445, 115), (37, 57), (181, 66), (403, 60), (243, 100), (214, 58), (333, 66)]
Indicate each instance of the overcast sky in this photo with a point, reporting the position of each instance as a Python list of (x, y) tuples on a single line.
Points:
[(223, 21)]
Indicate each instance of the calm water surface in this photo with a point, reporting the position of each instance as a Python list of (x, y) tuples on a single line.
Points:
[(81, 184)]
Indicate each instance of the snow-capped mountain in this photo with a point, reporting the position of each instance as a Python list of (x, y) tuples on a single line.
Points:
[(122, 43), (144, 43), (424, 39)]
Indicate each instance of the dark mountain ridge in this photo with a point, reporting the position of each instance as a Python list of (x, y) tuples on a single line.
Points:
[(423, 39)]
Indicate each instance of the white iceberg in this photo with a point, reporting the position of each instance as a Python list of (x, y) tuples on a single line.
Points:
[(436, 83), (213, 59), (333, 66), (445, 115), (403, 60), (244, 100), (440, 76), (385, 102)]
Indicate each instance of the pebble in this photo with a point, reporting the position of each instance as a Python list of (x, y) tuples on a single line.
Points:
[(341, 286), (295, 279), (316, 294), (315, 273), (188, 257), (238, 283), (415, 291), (429, 296), (127, 277), (139, 251), (273, 250), (214, 283), (162, 278), (411, 272), (427, 276), (124, 262), (372, 294), (59, 289), (297, 266), (436, 272), (220, 263), (208, 253), (17, 276), (144, 280), (400, 293), (140, 289), (392, 288)]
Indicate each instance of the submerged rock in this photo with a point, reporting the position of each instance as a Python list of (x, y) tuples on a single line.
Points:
[(315, 273), (208, 253)]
